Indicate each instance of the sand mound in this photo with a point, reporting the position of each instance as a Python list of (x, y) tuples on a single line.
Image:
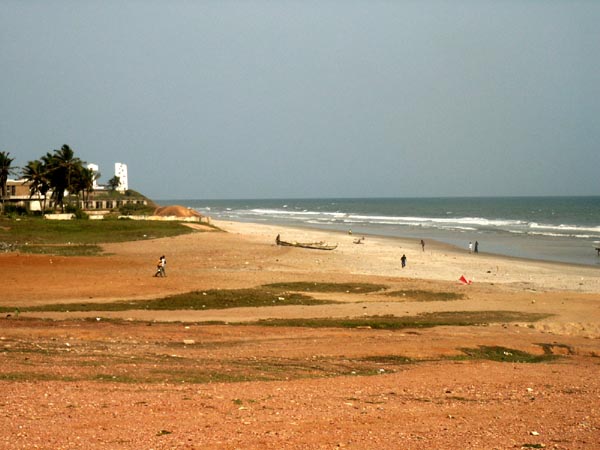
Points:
[(177, 211)]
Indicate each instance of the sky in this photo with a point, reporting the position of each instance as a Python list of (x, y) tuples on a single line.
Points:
[(241, 99)]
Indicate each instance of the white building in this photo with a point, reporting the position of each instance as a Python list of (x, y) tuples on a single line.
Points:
[(121, 172)]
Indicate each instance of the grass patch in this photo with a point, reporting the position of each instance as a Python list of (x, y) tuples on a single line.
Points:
[(426, 296), (203, 376), (425, 320), (62, 250), (503, 354), (196, 300), (114, 378), (352, 288), (39, 231), (30, 377), (396, 360), (237, 298)]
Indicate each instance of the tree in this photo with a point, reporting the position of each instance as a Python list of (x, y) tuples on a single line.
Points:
[(63, 169), (5, 171), (35, 174), (83, 182), (114, 183)]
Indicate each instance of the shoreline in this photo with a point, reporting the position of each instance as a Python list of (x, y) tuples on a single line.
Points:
[(380, 255), (545, 229), (430, 241), (443, 238)]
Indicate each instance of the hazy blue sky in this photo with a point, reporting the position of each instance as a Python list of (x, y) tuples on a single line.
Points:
[(270, 99)]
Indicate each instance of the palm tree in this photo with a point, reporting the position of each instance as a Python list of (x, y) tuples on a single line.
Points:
[(114, 183), (62, 169), (35, 174), (5, 171), (83, 182)]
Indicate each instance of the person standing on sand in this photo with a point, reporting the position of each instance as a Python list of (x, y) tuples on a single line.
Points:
[(403, 260), (160, 267), (423, 244), (470, 247), (476, 247)]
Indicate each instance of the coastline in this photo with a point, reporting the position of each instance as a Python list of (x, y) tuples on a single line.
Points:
[(556, 229), (246, 256), (380, 256)]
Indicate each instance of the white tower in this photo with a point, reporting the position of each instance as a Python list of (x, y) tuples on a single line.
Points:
[(121, 172)]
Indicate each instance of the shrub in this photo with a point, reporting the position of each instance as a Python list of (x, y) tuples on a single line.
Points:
[(78, 212), (15, 210), (132, 209)]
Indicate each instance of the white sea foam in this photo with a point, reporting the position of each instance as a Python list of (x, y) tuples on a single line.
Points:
[(443, 223), (562, 235), (279, 212), (564, 227)]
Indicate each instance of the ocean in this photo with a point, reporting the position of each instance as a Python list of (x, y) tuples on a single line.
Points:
[(561, 229)]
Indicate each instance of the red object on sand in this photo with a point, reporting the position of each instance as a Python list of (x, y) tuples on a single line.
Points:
[(463, 280)]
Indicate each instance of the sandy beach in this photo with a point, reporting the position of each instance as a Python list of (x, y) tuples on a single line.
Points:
[(246, 256), (437, 403)]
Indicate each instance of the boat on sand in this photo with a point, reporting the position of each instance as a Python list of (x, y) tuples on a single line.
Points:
[(312, 245)]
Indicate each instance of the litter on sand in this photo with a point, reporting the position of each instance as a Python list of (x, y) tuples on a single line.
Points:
[(464, 280)]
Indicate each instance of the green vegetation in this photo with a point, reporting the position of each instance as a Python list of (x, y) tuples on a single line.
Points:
[(5, 170), (426, 296), (236, 298), (353, 288), (424, 320), (41, 232), (135, 209), (30, 377), (503, 354), (57, 173), (197, 300), (113, 183), (60, 180), (267, 295), (155, 368), (365, 288), (390, 359), (14, 211), (62, 250)]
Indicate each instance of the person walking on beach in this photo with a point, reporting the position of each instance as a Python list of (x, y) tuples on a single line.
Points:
[(158, 272), (470, 247), (476, 247), (403, 260), (163, 265), (422, 244)]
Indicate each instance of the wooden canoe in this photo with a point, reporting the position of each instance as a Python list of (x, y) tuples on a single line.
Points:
[(312, 245)]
